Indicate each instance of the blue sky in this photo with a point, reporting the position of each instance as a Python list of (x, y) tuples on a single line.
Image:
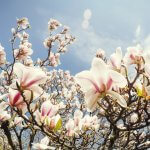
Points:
[(113, 23)]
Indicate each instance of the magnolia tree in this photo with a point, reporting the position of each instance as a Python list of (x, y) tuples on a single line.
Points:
[(105, 107)]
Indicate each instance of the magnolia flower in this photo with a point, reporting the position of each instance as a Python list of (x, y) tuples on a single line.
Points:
[(99, 82), (42, 145), (28, 80), (70, 125), (77, 119), (54, 59), (47, 42), (23, 22), (53, 24), (142, 89), (48, 110), (86, 122), (23, 52), (115, 59), (133, 55), (53, 123), (2, 55)]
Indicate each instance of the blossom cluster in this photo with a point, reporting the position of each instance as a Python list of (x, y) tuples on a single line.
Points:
[(107, 106)]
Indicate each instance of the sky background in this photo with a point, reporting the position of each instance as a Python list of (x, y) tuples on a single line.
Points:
[(111, 23)]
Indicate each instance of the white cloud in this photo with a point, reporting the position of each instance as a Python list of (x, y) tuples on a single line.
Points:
[(144, 42), (138, 31), (89, 41), (86, 18), (87, 14), (137, 34), (85, 24)]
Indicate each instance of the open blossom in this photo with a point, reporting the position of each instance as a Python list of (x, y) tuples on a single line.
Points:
[(133, 55), (79, 123), (116, 58), (42, 145), (53, 24), (23, 52), (54, 59), (48, 42), (28, 79), (2, 55), (99, 82), (90, 122), (47, 114), (23, 22)]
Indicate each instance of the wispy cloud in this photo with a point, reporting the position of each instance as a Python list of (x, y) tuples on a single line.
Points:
[(145, 41), (86, 18), (88, 41), (138, 31)]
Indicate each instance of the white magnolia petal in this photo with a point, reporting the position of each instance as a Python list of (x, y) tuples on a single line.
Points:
[(116, 58), (37, 91), (36, 75), (18, 70), (29, 74), (91, 99), (120, 100), (37, 116), (99, 70), (48, 109), (118, 79), (45, 107), (119, 52), (84, 79)]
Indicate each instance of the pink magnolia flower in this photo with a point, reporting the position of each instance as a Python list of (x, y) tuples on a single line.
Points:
[(23, 52), (42, 145), (48, 110), (53, 24), (28, 79), (99, 81), (133, 55)]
